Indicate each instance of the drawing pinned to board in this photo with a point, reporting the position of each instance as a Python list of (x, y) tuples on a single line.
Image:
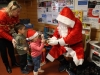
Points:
[(44, 3), (42, 18), (94, 4), (41, 11), (55, 6), (82, 5), (70, 4), (78, 14), (54, 16), (59, 3), (62, 3), (48, 18), (93, 13)]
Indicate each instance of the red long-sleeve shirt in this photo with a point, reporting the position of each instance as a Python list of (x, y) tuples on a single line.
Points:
[(6, 24)]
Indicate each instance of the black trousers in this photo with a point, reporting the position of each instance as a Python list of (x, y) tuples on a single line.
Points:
[(23, 61), (65, 62), (4, 45)]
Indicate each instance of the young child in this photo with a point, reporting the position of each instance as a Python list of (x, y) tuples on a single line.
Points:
[(21, 47), (36, 45)]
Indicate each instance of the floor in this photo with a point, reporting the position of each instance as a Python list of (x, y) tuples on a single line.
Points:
[(51, 68)]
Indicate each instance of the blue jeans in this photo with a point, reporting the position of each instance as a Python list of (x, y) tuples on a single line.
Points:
[(36, 62)]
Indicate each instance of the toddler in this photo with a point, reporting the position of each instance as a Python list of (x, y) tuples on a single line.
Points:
[(36, 46)]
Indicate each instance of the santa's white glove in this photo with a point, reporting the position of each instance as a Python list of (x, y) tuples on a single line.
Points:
[(14, 42), (52, 41), (53, 38)]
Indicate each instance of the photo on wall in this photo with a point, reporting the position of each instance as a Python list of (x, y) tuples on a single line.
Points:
[(48, 18), (94, 4), (42, 3)]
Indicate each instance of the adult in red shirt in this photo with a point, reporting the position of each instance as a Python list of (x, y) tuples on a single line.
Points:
[(8, 18)]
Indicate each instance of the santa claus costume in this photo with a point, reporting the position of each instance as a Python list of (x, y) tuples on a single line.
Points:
[(67, 38)]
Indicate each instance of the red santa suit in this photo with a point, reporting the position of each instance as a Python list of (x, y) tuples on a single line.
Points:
[(68, 34)]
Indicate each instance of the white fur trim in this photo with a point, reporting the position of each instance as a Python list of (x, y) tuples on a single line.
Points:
[(73, 55), (27, 39), (66, 20), (62, 29), (61, 42), (54, 38), (30, 38), (49, 57)]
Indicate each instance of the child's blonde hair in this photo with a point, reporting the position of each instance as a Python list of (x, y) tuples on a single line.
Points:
[(13, 5)]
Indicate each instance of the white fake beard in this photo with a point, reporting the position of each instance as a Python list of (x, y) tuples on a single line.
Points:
[(63, 30)]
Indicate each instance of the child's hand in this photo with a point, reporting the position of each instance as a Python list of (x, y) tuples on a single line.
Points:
[(42, 36), (25, 48), (43, 41)]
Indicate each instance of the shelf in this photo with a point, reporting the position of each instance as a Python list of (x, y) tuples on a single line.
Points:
[(50, 33), (87, 28), (86, 34)]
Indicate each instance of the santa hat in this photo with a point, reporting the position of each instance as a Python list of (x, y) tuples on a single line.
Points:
[(67, 17), (31, 34)]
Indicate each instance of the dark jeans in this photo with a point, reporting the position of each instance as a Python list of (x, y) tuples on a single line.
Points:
[(23, 61), (4, 45), (36, 61)]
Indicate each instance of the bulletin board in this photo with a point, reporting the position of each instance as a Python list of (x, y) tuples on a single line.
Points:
[(48, 10)]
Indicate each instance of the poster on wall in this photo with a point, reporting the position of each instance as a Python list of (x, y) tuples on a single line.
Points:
[(55, 6), (93, 12), (48, 17), (70, 4), (44, 3), (82, 5), (94, 4), (54, 16), (41, 14)]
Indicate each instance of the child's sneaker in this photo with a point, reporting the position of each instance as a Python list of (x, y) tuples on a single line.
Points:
[(43, 63), (40, 70)]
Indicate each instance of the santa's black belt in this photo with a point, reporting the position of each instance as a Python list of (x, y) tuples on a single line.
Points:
[(72, 44)]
